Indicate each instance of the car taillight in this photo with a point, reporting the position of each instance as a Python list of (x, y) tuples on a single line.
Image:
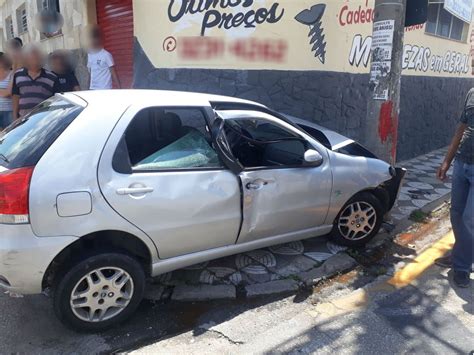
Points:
[(14, 190)]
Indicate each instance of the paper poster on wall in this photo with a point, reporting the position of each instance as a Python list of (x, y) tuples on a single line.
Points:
[(382, 44)]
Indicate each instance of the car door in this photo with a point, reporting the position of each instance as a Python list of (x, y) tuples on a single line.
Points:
[(282, 193), (160, 172)]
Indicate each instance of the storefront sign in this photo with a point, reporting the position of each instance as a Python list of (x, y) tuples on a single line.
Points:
[(324, 35), (460, 8), (225, 14)]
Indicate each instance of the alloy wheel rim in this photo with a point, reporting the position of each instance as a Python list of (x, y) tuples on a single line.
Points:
[(102, 294), (357, 221)]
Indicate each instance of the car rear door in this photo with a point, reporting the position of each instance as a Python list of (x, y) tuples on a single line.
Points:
[(280, 195), (160, 172)]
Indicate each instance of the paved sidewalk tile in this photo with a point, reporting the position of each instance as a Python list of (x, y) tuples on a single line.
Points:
[(420, 186)]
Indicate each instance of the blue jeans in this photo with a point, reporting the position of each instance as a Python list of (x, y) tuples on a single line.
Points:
[(462, 216), (6, 117)]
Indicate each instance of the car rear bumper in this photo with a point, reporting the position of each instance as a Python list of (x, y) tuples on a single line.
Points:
[(24, 258)]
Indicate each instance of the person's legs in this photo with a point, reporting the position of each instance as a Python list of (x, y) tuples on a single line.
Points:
[(3, 122), (463, 252), (6, 117), (459, 191), (462, 210)]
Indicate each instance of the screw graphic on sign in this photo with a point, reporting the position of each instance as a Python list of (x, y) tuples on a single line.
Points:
[(312, 18)]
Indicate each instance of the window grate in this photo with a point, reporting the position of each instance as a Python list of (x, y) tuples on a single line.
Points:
[(9, 27), (22, 19), (442, 24)]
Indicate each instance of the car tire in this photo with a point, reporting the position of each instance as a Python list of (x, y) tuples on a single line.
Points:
[(358, 221), (112, 284)]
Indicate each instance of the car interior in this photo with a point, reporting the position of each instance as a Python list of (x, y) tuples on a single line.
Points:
[(257, 143), (157, 138)]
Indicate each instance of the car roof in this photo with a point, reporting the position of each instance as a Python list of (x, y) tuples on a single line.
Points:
[(146, 97), (127, 97)]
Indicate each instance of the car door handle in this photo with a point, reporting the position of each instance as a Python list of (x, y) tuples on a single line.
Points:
[(252, 186), (134, 190), (256, 184)]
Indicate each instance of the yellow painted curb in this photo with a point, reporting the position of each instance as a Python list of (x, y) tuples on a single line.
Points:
[(409, 273)]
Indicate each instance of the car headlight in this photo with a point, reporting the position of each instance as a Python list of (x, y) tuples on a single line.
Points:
[(392, 171)]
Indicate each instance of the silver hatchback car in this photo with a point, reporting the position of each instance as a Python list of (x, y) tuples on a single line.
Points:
[(100, 190)]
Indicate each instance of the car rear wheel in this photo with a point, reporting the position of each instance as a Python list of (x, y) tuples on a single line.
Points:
[(99, 292), (359, 220)]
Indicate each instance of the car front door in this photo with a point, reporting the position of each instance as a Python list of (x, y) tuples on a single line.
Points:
[(283, 194), (167, 180)]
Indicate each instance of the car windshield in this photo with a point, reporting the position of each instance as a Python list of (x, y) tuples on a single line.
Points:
[(25, 141)]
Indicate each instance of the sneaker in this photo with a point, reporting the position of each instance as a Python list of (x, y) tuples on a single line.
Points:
[(461, 279), (444, 262)]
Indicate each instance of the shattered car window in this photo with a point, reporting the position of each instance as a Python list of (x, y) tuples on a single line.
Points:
[(190, 151), (170, 138)]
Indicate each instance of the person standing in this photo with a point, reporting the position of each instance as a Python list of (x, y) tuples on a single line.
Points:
[(6, 116), (14, 50), (59, 64), (461, 151), (32, 84), (100, 64)]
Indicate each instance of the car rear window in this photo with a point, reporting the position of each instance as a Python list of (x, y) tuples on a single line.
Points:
[(25, 141)]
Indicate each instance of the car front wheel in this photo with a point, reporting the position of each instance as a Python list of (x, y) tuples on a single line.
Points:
[(99, 292), (359, 220)]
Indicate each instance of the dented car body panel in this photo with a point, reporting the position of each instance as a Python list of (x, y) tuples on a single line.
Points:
[(184, 215)]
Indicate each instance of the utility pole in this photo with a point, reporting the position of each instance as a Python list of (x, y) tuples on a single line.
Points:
[(380, 129)]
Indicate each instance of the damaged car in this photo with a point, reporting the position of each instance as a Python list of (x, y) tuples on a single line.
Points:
[(101, 190)]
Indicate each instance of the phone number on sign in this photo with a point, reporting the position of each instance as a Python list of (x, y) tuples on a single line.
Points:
[(248, 49)]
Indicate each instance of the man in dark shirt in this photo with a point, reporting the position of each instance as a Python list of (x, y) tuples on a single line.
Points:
[(462, 195), (32, 84), (59, 64)]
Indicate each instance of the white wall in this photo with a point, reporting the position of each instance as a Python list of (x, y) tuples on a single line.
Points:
[(77, 14)]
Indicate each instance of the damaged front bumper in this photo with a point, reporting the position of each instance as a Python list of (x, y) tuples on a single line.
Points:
[(393, 186)]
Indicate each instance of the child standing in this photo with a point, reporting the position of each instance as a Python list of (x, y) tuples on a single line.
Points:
[(59, 65)]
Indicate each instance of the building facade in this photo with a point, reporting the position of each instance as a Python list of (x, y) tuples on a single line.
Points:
[(19, 18), (308, 58)]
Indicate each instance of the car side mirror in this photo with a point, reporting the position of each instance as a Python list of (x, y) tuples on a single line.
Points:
[(313, 157)]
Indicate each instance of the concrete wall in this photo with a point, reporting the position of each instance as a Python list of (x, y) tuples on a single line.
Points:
[(430, 106)]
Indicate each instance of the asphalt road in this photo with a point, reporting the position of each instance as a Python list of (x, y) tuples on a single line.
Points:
[(28, 325), (428, 318)]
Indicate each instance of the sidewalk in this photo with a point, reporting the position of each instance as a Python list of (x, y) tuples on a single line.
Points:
[(285, 268), (424, 314), (421, 186)]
